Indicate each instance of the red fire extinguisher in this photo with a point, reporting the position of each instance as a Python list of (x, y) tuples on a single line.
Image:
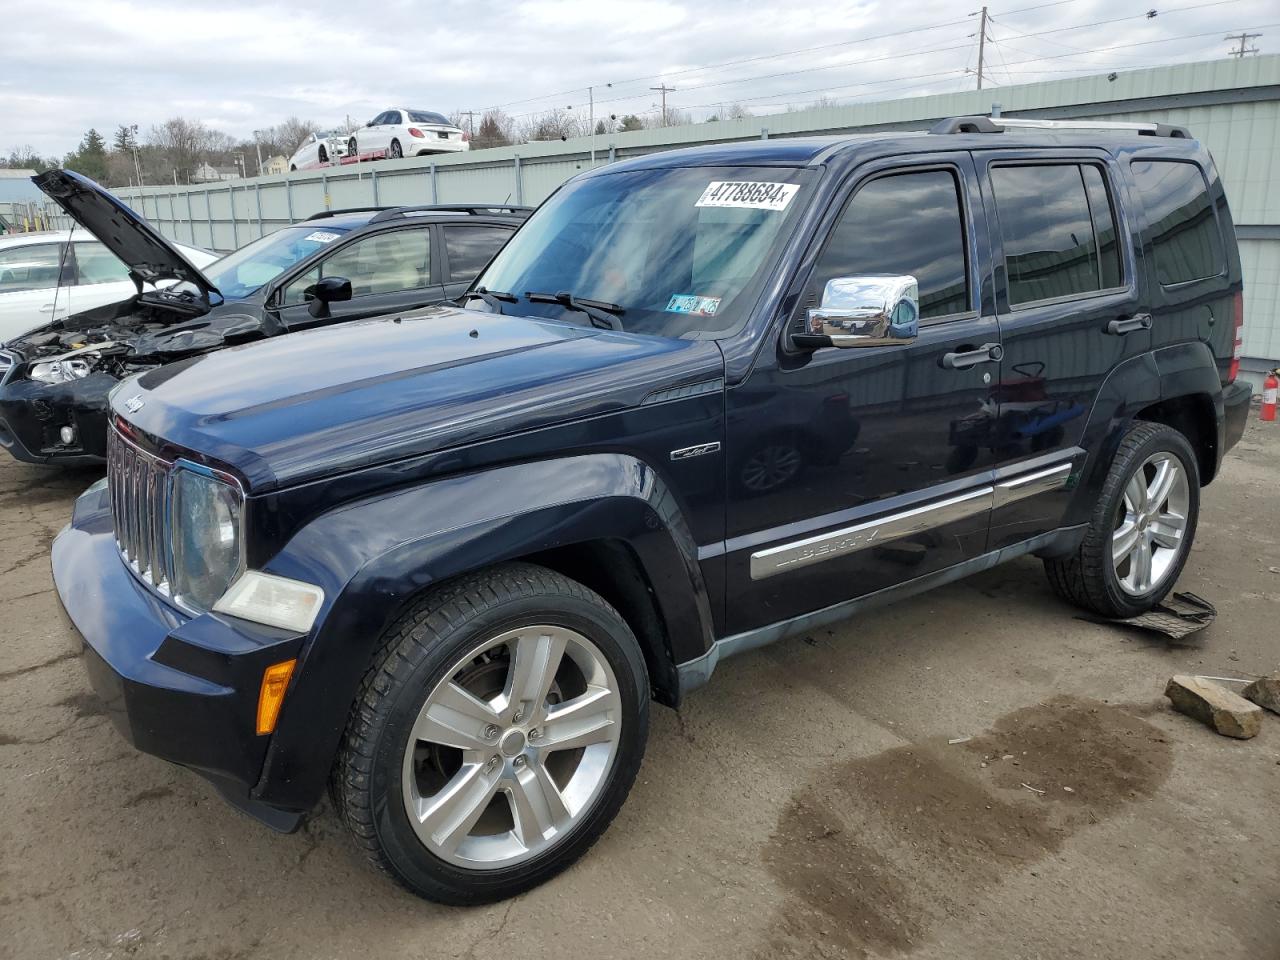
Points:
[(1269, 387)]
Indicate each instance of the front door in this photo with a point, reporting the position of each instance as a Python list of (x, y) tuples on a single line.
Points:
[(847, 473), (389, 272)]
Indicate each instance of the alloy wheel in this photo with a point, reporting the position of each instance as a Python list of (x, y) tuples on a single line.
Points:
[(512, 748), (1151, 528)]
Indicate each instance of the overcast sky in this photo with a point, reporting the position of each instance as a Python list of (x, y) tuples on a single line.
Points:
[(241, 64)]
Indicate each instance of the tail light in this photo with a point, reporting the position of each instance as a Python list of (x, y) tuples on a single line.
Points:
[(415, 132), (1237, 307)]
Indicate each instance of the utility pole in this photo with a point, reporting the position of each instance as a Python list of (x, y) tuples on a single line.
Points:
[(133, 142), (471, 121), (982, 44), (257, 146), (1244, 38), (664, 90)]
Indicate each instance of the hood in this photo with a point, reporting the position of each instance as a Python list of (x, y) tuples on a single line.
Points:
[(149, 256), (309, 405)]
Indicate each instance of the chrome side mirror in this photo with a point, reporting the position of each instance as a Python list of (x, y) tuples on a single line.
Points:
[(863, 312)]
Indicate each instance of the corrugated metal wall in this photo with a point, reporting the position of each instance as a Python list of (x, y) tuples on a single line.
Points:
[(1231, 105)]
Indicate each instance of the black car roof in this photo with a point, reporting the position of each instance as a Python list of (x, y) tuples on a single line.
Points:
[(353, 218)]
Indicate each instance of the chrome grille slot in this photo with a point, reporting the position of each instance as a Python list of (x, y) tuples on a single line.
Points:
[(138, 484)]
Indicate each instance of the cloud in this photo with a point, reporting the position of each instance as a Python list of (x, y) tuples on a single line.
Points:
[(239, 65)]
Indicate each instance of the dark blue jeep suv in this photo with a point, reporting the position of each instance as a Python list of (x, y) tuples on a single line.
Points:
[(701, 401)]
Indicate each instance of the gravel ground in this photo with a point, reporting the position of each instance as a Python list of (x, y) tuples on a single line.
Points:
[(806, 804)]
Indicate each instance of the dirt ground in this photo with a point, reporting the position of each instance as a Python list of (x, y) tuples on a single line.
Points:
[(806, 804)]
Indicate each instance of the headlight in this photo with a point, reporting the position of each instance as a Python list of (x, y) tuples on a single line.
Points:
[(206, 537), (61, 371)]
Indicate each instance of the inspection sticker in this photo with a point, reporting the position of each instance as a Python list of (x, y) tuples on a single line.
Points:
[(688, 303), (752, 194), (322, 236)]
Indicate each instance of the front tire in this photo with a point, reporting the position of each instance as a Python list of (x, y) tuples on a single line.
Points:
[(396, 152), (495, 736), (1141, 530), (351, 148)]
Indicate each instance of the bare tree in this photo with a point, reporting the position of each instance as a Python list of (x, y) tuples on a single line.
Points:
[(552, 125), (181, 145), (287, 135)]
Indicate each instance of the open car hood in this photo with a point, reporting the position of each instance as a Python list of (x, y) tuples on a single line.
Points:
[(149, 256)]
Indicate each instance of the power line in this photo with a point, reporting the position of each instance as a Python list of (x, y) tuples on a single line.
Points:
[(895, 56), (1013, 63)]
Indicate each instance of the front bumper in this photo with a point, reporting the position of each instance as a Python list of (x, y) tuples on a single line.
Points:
[(183, 689), (33, 413)]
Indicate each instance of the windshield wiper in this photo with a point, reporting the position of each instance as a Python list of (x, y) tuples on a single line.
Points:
[(603, 315), (494, 298)]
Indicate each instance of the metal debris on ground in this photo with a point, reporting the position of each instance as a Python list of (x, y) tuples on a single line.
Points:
[(1179, 615), (1034, 789), (960, 740)]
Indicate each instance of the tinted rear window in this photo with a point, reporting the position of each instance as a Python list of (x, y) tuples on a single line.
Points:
[(1052, 247), (471, 247), (424, 116), (1184, 235)]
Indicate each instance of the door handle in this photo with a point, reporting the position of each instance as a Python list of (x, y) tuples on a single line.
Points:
[(1122, 325), (959, 360), (47, 308)]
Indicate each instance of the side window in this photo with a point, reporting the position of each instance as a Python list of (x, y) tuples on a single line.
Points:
[(1048, 214), (385, 263), (1184, 234), (471, 247), (907, 223), (30, 267), (96, 264)]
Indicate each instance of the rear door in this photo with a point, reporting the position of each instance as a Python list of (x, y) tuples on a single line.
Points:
[(1070, 310), (389, 272), (466, 249)]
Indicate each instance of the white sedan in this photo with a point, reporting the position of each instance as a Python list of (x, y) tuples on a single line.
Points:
[(318, 150), (407, 133), (31, 264)]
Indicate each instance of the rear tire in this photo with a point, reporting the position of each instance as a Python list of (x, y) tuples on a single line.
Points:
[(396, 152), (472, 820), (322, 155), (351, 148), (1141, 529)]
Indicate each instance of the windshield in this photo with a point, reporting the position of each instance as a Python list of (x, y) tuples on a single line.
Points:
[(681, 251), (239, 274)]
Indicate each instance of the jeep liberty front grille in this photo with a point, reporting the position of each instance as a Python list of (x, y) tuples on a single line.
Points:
[(138, 484)]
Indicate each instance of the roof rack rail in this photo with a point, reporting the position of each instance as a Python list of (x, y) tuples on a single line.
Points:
[(475, 209), (1000, 124), (334, 213)]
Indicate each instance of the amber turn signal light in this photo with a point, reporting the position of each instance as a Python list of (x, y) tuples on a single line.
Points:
[(275, 680)]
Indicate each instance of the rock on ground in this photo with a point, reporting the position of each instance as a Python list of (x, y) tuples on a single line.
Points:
[(1212, 704), (1265, 692)]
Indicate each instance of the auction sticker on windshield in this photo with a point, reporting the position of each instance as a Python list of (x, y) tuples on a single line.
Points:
[(751, 194), (322, 236)]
